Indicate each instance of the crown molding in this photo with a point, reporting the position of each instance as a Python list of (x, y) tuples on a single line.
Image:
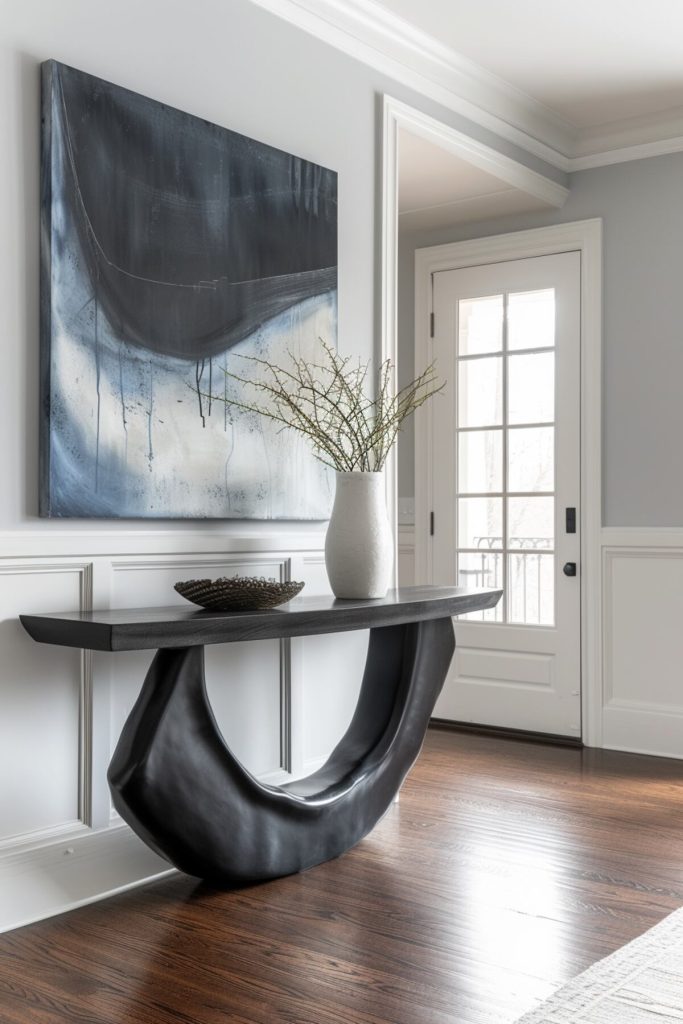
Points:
[(633, 138), (367, 31), (632, 131), (370, 33), (627, 153)]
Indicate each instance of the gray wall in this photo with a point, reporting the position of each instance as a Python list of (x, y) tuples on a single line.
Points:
[(641, 204)]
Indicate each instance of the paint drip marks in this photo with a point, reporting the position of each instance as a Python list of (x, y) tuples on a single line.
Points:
[(122, 399), (200, 369), (150, 413)]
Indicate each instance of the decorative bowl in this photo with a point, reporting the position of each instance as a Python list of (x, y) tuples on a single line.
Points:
[(238, 593)]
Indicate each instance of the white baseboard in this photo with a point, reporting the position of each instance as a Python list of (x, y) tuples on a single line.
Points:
[(63, 876), (643, 730)]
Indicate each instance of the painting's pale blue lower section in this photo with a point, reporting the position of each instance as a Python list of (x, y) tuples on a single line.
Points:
[(129, 437)]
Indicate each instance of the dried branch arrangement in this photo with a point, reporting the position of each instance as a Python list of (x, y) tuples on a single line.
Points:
[(326, 403)]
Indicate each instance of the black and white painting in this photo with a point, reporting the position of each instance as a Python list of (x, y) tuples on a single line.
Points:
[(170, 248)]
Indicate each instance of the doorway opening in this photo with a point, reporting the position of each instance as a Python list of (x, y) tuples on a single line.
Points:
[(437, 182)]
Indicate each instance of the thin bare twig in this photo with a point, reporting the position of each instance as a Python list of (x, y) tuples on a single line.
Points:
[(325, 401)]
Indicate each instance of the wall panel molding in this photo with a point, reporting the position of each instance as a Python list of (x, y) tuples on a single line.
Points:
[(70, 828), (195, 564), (642, 708), (48, 870), (405, 536), (43, 543), (94, 855), (642, 537), (639, 722)]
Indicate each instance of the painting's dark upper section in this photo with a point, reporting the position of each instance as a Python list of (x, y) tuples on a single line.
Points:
[(192, 235)]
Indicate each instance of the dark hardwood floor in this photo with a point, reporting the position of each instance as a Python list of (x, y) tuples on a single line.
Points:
[(506, 869)]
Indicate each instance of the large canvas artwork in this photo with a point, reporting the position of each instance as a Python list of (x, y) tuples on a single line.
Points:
[(170, 248)]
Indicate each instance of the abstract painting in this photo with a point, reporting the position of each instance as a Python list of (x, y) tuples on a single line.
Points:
[(170, 248)]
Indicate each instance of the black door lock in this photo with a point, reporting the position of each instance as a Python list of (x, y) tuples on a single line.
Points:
[(569, 568)]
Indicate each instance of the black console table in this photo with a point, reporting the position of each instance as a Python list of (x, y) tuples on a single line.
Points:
[(176, 783)]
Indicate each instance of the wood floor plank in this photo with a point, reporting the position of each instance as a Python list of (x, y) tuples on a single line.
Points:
[(506, 868)]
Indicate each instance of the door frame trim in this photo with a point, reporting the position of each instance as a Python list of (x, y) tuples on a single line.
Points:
[(396, 116), (585, 237)]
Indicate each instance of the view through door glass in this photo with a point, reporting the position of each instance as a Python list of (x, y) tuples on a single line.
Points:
[(505, 451)]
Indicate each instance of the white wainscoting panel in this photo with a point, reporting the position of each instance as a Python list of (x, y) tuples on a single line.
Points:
[(243, 681), (42, 694), (282, 706), (643, 641), (331, 668), (638, 692), (406, 555)]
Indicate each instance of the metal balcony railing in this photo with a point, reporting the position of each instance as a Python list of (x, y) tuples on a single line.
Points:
[(525, 570)]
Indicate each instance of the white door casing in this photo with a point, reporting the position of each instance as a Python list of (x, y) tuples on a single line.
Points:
[(398, 116), (510, 675)]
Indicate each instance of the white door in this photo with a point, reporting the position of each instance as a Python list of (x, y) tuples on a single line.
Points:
[(505, 449)]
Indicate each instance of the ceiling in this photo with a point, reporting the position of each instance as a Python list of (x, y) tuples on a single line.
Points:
[(440, 190), (589, 62), (578, 84)]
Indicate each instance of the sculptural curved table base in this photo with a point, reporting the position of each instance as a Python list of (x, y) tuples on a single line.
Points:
[(176, 783)]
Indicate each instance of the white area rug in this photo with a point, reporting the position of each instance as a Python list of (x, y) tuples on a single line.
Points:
[(642, 983)]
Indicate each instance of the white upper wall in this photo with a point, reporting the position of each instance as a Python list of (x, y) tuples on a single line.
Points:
[(232, 63)]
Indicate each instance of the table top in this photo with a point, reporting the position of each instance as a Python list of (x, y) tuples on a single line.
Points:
[(136, 629)]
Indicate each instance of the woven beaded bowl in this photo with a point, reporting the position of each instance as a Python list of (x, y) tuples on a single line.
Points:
[(237, 593)]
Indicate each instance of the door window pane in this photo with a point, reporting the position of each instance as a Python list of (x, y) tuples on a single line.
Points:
[(531, 588), (480, 461), (480, 392), (531, 523), (506, 452), (531, 459), (482, 569), (531, 319), (531, 388), (480, 523), (480, 325)]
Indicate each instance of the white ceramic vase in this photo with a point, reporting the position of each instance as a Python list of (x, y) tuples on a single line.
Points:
[(359, 549)]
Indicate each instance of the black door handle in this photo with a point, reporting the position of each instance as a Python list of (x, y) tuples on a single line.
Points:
[(569, 568)]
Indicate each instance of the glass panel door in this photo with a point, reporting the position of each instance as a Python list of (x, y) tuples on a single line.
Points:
[(503, 467)]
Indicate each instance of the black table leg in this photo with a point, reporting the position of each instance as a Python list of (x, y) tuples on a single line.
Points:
[(176, 783)]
